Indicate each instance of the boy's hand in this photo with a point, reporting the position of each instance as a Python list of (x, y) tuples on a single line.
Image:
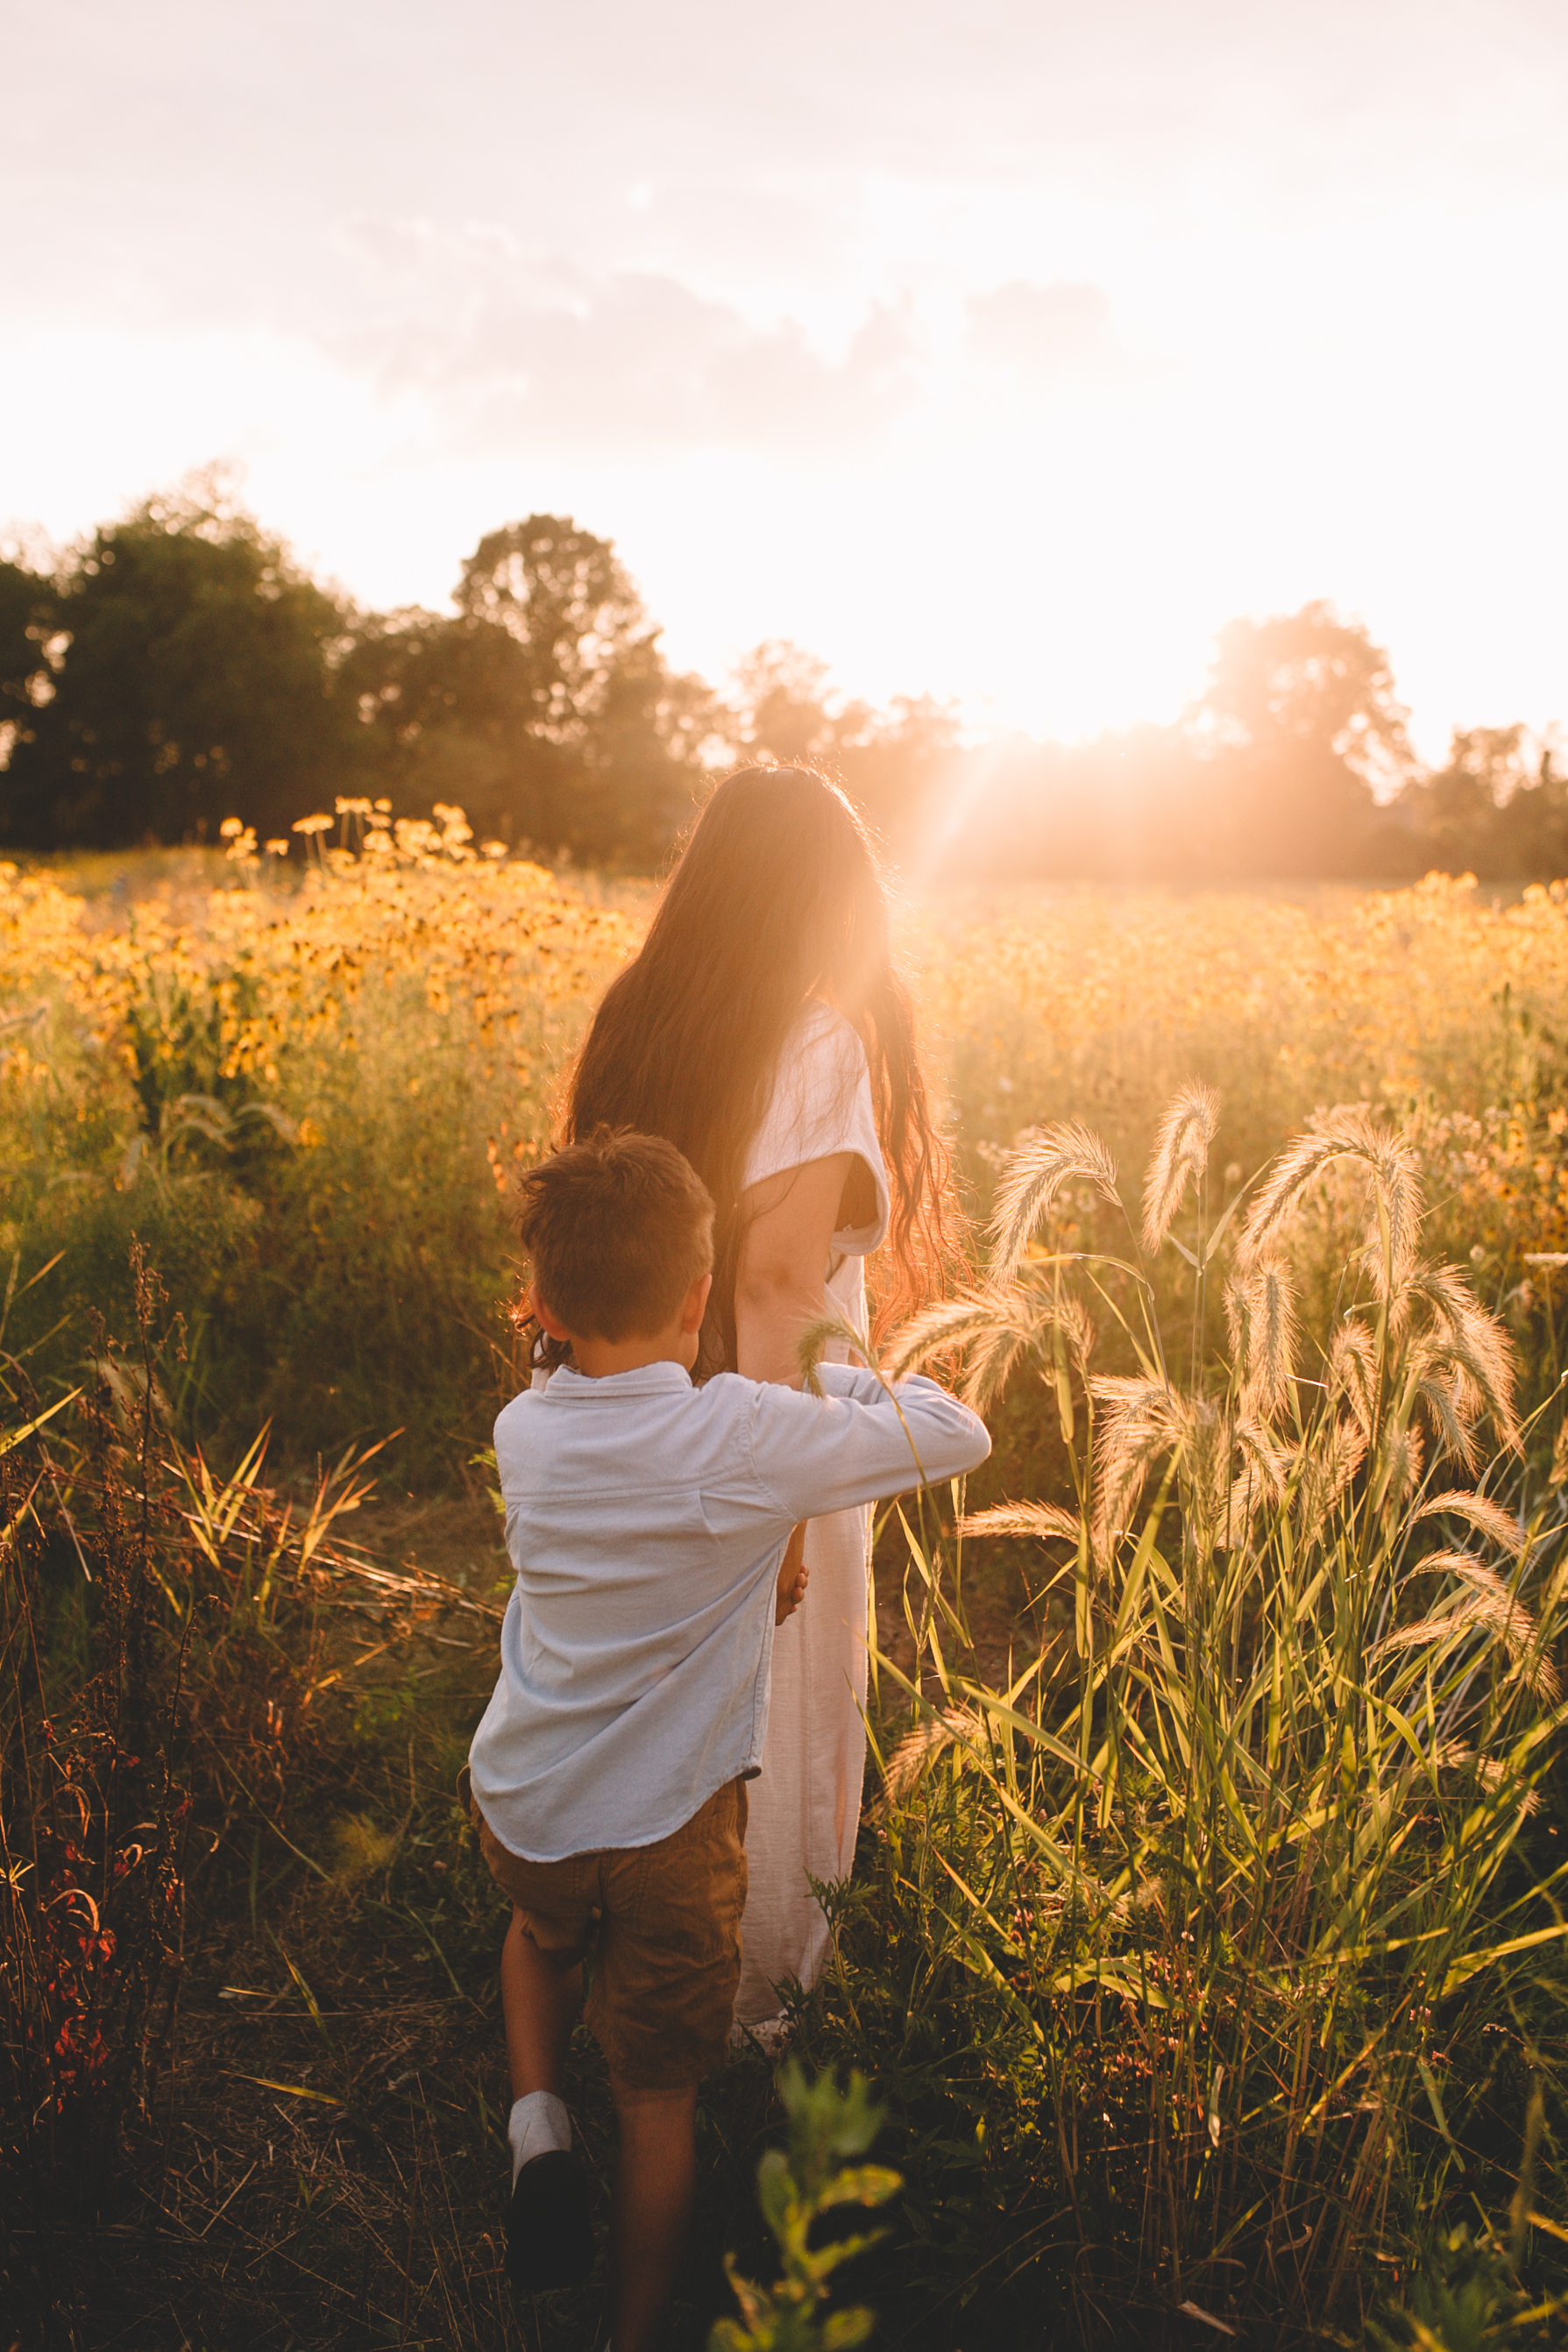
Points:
[(793, 1576)]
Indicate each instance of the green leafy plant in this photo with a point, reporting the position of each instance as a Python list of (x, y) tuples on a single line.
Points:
[(796, 2185), (1471, 2298)]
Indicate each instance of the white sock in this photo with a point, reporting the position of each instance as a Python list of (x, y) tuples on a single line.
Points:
[(537, 2123)]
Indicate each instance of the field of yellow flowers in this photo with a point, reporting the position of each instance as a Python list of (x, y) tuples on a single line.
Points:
[(305, 1092), (1209, 1960)]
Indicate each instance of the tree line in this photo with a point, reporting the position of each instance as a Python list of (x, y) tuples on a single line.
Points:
[(178, 667)]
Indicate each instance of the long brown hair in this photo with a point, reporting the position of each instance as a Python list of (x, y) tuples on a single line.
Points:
[(776, 897)]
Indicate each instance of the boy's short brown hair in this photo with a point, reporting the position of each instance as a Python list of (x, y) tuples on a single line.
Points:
[(619, 1227)]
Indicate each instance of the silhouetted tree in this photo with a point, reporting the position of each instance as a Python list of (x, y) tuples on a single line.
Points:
[(177, 668), (893, 763), (643, 772), (543, 707), (27, 635), (1270, 774), (1497, 809), (1298, 724), (190, 676)]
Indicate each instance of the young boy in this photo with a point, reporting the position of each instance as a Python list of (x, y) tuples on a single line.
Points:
[(647, 1520)]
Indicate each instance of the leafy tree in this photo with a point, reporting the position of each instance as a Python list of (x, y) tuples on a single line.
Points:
[(561, 596), (1532, 801), (644, 764), (543, 707), (1311, 681), (445, 708), (892, 764), (28, 635), (1301, 726), (192, 677), (1272, 773), (782, 710), (1497, 809)]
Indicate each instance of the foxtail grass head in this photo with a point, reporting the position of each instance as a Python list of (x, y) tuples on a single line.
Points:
[(1180, 1158), (1046, 1161), (1349, 1132)]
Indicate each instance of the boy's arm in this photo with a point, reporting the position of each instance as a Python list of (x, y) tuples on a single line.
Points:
[(860, 1442), (793, 1577)]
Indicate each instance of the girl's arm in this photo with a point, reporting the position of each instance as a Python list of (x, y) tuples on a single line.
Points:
[(787, 1223)]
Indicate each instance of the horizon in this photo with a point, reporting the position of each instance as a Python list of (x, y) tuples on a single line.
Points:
[(1003, 359)]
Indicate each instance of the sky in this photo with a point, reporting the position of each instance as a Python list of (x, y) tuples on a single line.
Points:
[(1000, 352)]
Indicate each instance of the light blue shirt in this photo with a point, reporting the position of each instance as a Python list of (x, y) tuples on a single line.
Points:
[(647, 1520)]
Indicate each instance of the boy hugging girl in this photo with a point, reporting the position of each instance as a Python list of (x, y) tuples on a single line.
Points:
[(648, 1521)]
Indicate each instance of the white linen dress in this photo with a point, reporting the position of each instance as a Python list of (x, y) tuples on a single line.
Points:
[(804, 1810)]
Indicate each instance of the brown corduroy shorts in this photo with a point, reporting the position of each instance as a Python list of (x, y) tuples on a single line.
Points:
[(666, 1956)]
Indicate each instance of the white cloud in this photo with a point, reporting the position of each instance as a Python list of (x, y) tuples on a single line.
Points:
[(516, 354), (1007, 349), (1043, 338)]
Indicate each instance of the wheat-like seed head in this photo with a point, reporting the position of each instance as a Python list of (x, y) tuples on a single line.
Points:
[(828, 1331), (1487, 1519), (1259, 1480), (1179, 1158), (1206, 1461), (1452, 1409), (1476, 1613), (1396, 1178), (1484, 1603), (1270, 1461), (1071, 1317), (1246, 1500), (1047, 1158), (992, 1328), (1353, 1371), (993, 1353), (1558, 1472), (1349, 1132), (1480, 1578), (1472, 1343), (950, 1324), (1323, 1467), (1515, 1626), (916, 1749), (1270, 1314), (1443, 1625), (1453, 1756), (1403, 1459), (1046, 1521), (1138, 1420), (1237, 1320)]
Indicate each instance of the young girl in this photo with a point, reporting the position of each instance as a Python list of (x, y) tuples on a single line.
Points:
[(764, 1031)]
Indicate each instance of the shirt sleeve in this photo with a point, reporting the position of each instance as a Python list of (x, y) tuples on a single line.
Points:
[(821, 1104), (860, 1442)]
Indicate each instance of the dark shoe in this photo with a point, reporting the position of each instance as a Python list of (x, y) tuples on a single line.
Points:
[(550, 2237)]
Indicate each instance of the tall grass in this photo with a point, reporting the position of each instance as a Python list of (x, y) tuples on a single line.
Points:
[(304, 1090), (307, 1105), (161, 1633), (1443, 1008), (1234, 1916), (1210, 1959)]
